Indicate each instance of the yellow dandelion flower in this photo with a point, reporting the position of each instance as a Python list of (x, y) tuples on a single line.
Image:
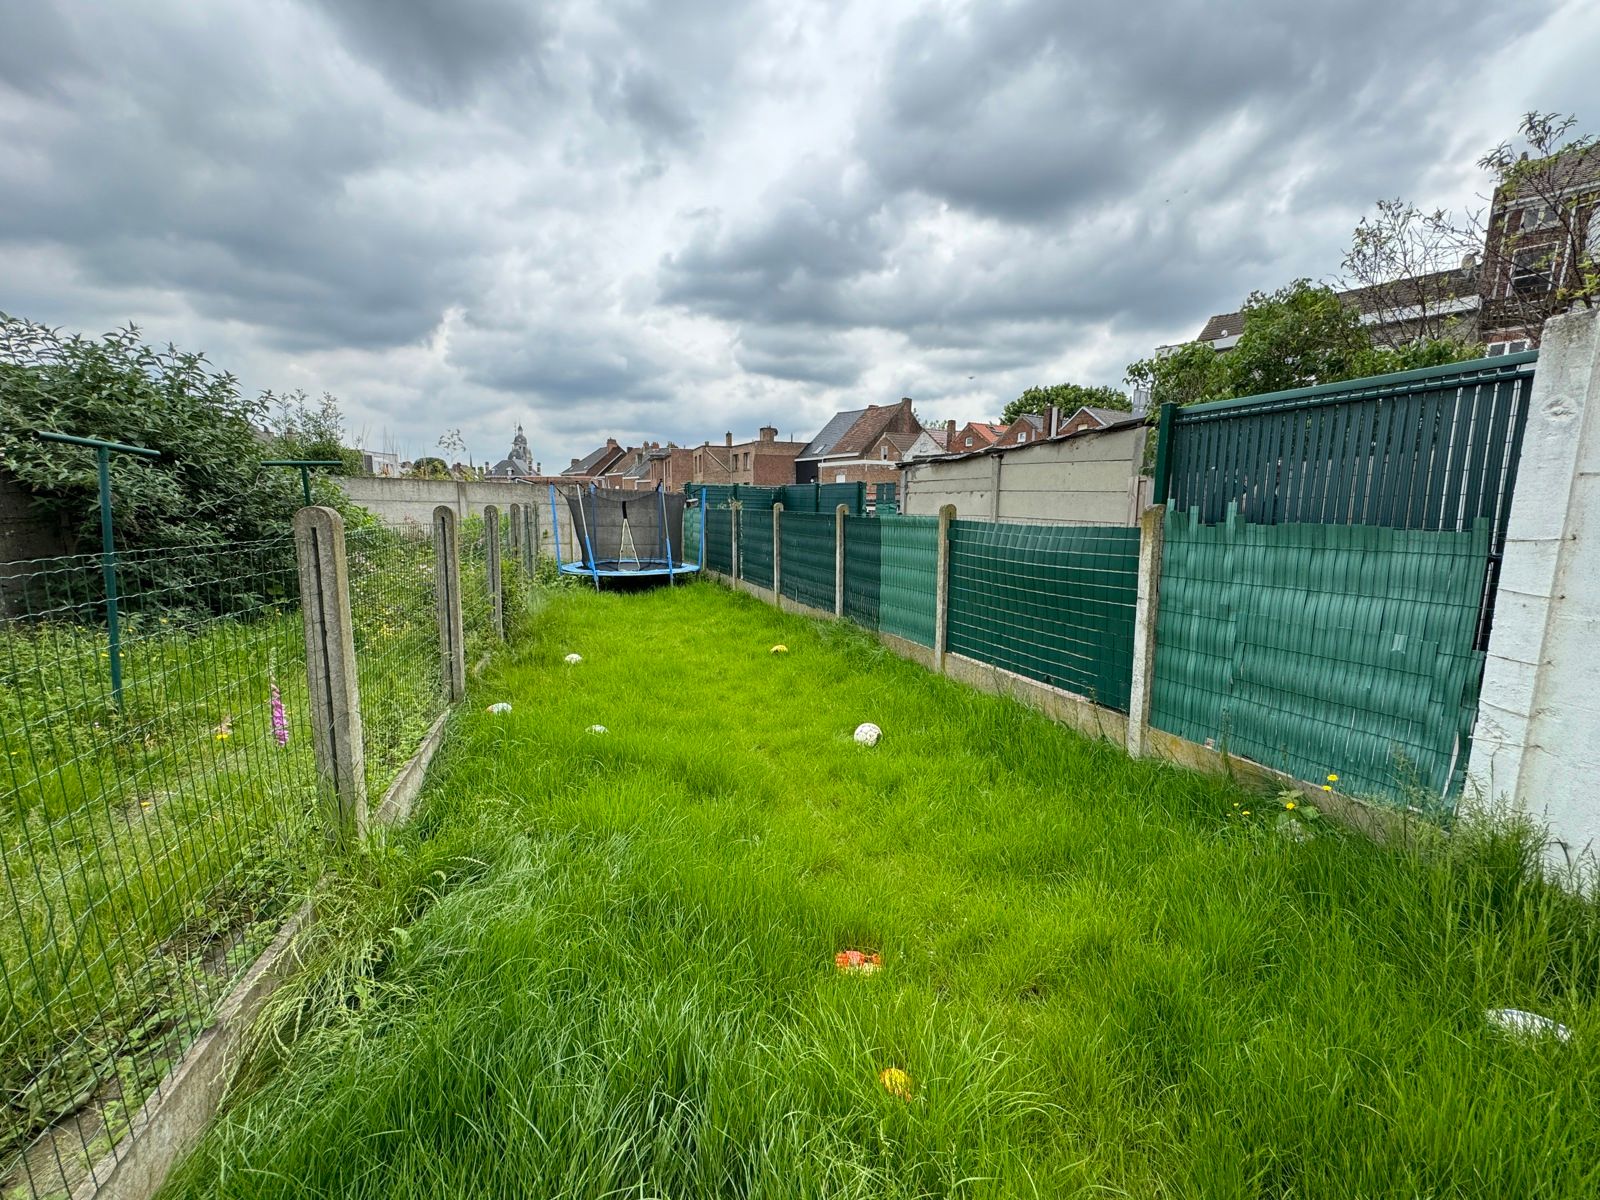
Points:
[(1333, 779), (1326, 788), (1289, 804), (1246, 811)]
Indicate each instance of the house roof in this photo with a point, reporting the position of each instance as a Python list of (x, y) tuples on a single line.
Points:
[(830, 433), (1435, 286), (1028, 418), (1106, 416), (1222, 325), (901, 441), (941, 437), (869, 427), (593, 462)]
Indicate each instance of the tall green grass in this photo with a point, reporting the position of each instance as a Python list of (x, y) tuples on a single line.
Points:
[(602, 965)]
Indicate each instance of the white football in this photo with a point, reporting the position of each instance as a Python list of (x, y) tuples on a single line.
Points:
[(501, 707), (868, 734), (597, 729), (1526, 1024), (572, 658)]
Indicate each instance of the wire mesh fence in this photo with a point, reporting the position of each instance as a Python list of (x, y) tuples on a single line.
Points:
[(1052, 602), (148, 847), (807, 565)]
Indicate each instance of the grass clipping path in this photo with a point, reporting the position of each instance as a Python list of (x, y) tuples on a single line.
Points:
[(605, 965)]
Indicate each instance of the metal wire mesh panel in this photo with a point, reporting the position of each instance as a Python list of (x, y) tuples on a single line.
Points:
[(397, 645), (808, 558), (719, 540), (1052, 602), (862, 570), (1321, 649), (150, 841), (908, 577), (755, 545)]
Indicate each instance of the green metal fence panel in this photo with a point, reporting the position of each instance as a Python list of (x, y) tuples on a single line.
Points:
[(752, 497), (1324, 649), (808, 558), (908, 576), (719, 540), (884, 502), (862, 570), (852, 495), (755, 545), (1430, 449), (1052, 602), (801, 497)]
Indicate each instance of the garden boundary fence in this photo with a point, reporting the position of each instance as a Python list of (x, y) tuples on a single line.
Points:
[(152, 842), (1314, 597)]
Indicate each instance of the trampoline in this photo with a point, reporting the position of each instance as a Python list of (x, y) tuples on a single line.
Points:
[(625, 538)]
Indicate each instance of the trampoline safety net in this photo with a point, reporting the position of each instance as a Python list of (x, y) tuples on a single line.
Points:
[(628, 531)]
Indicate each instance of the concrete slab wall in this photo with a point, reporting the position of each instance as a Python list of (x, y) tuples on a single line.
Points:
[(1088, 479), (409, 503)]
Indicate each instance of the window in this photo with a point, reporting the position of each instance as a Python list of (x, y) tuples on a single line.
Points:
[(883, 452), (1539, 216), (969, 440), (838, 477), (1531, 270), (1022, 437), (1515, 346)]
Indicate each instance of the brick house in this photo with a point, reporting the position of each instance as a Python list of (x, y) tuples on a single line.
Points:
[(764, 462), (597, 462), (1028, 427), (974, 435), (931, 442), (869, 449), (1088, 417)]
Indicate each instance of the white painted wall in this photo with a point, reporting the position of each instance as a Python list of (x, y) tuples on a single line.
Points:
[(1088, 479), (1536, 745)]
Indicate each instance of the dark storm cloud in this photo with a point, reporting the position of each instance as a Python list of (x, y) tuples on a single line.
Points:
[(441, 52), (807, 355)]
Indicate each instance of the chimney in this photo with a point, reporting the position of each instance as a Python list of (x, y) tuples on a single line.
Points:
[(1052, 421), (729, 436), (769, 433), (612, 442), (950, 428), (574, 462)]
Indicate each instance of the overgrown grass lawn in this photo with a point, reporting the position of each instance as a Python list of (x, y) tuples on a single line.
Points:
[(602, 965)]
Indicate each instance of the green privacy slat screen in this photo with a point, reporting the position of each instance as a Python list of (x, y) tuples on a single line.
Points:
[(862, 570), (691, 535), (755, 545), (719, 540), (908, 584), (808, 558), (800, 497), (1319, 649), (1052, 602), (852, 495), (1429, 449), (752, 497)]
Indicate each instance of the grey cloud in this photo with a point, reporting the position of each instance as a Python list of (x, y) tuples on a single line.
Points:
[(798, 353), (441, 52)]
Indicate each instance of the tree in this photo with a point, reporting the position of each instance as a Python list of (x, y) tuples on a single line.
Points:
[(1067, 397), (304, 430), (429, 467), (1299, 335), (208, 489), (1536, 255), (1187, 374)]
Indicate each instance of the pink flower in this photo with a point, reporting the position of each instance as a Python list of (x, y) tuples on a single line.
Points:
[(280, 722)]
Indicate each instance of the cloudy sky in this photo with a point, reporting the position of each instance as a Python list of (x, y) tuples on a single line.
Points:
[(668, 220)]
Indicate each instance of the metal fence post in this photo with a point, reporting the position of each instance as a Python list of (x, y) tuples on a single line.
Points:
[(491, 570), (1161, 477), (838, 558), (777, 553), (735, 511), (941, 603), (1152, 530), (447, 603), (336, 732)]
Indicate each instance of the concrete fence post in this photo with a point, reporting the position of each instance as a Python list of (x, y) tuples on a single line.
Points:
[(1536, 744), (838, 559), (492, 571), (514, 531), (336, 734), (777, 552), (447, 603), (530, 538), (941, 602), (1152, 531)]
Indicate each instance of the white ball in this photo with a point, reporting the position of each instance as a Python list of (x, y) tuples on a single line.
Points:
[(868, 734), (597, 729), (501, 707), (572, 658)]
